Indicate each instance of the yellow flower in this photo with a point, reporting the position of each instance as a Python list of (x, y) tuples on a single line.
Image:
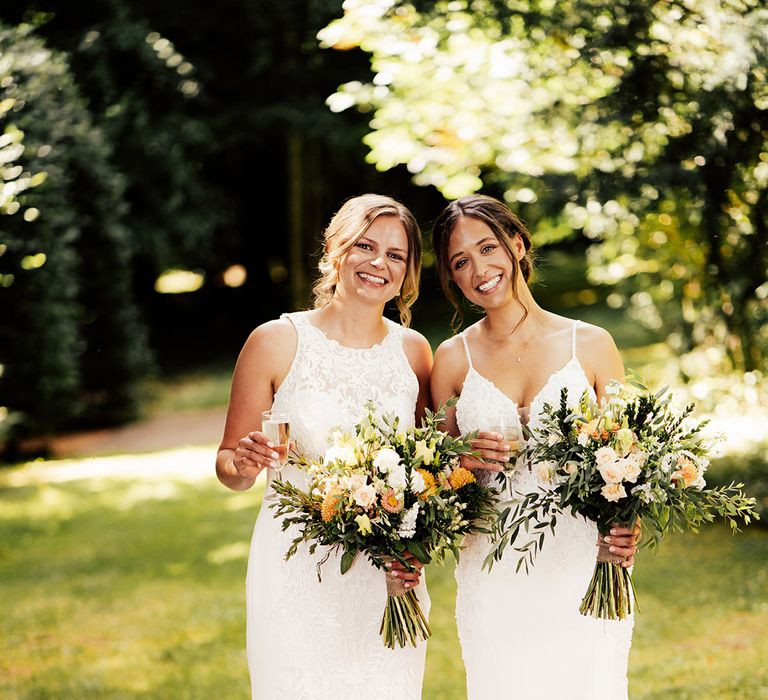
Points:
[(364, 523), (429, 483), (425, 451), (460, 477), (330, 505)]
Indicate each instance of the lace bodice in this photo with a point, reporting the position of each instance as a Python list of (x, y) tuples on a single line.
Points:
[(481, 402), (328, 385), (512, 625), (311, 640)]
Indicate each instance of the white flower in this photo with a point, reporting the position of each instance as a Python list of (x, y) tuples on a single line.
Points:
[(613, 492), (633, 465), (553, 439), (613, 472), (328, 484), (352, 482), (582, 439), (667, 461), (646, 493), (605, 455), (341, 453), (417, 482), (386, 458), (397, 478), (407, 527), (365, 496), (571, 467)]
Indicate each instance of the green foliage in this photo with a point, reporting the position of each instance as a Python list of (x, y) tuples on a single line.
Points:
[(71, 340), (751, 469), (641, 125)]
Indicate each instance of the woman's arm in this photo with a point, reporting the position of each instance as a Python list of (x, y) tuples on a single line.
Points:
[(263, 363), (601, 358)]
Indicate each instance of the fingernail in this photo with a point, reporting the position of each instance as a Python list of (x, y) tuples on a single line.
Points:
[(394, 574), (507, 458), (273, 464), (270, 444), (614, 532), (612, 549), (388, 565), (274, 455), (607, 539), (407, 585), (506, 447)]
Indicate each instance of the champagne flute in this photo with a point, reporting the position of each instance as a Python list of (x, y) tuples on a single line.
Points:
[(277, 429), (510, 430)]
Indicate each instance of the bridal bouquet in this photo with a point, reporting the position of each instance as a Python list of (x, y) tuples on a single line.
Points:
[(384, 492), (630, 456)]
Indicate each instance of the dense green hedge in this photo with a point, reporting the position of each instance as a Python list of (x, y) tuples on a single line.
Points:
[(71, 342)]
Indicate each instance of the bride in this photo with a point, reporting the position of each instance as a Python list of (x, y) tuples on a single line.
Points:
[(522, 635), (308, 639)]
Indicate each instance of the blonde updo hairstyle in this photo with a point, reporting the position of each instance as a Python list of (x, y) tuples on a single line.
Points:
[(347, 226), (504, 225)]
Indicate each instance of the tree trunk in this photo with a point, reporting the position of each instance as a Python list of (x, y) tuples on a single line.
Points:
[(296, 249)]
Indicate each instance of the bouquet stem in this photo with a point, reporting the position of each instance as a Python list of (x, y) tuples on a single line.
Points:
[(404, 621), (611, 592)]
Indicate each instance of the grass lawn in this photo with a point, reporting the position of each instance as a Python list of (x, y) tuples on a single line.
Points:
[(133, 587)]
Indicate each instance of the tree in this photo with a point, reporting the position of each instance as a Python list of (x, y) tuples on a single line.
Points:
[(642, 125), (66, 289)]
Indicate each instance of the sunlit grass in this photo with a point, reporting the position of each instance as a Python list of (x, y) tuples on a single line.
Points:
[(121, 581)]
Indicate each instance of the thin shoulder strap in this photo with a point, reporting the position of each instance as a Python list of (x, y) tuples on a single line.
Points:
[(466, 349), (573, 338)]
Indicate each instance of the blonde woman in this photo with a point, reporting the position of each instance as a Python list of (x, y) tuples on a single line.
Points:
[(521, 634), (308, 639)]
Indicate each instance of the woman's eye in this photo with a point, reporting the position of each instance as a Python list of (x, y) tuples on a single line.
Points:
[(487, 248), (459, 264), (364, 246), (395, 256)]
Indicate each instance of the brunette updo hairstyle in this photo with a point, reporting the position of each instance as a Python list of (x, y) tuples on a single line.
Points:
[(504, 225), (347, 226)]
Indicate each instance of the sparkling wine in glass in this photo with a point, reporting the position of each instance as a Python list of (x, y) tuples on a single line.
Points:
[(277, 428), (509, 428)]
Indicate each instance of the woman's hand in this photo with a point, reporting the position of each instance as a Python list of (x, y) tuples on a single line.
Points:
[(253, 453), (493, 453), (400, 572), (623, 542)]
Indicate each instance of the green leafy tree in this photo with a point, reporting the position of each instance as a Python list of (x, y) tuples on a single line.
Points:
[(642, 125)]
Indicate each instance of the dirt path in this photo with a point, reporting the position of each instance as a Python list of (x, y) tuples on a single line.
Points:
[(161, 432)]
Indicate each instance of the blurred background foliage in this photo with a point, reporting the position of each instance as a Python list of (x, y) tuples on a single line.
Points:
[(168, 167)]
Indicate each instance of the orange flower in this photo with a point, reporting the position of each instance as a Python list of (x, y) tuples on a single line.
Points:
[(686, 470), (460, 477), (390, 501), (430, 485), (330, 505)]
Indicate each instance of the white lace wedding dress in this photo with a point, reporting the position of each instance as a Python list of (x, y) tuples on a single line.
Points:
[(522, 636), (308, 639)]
